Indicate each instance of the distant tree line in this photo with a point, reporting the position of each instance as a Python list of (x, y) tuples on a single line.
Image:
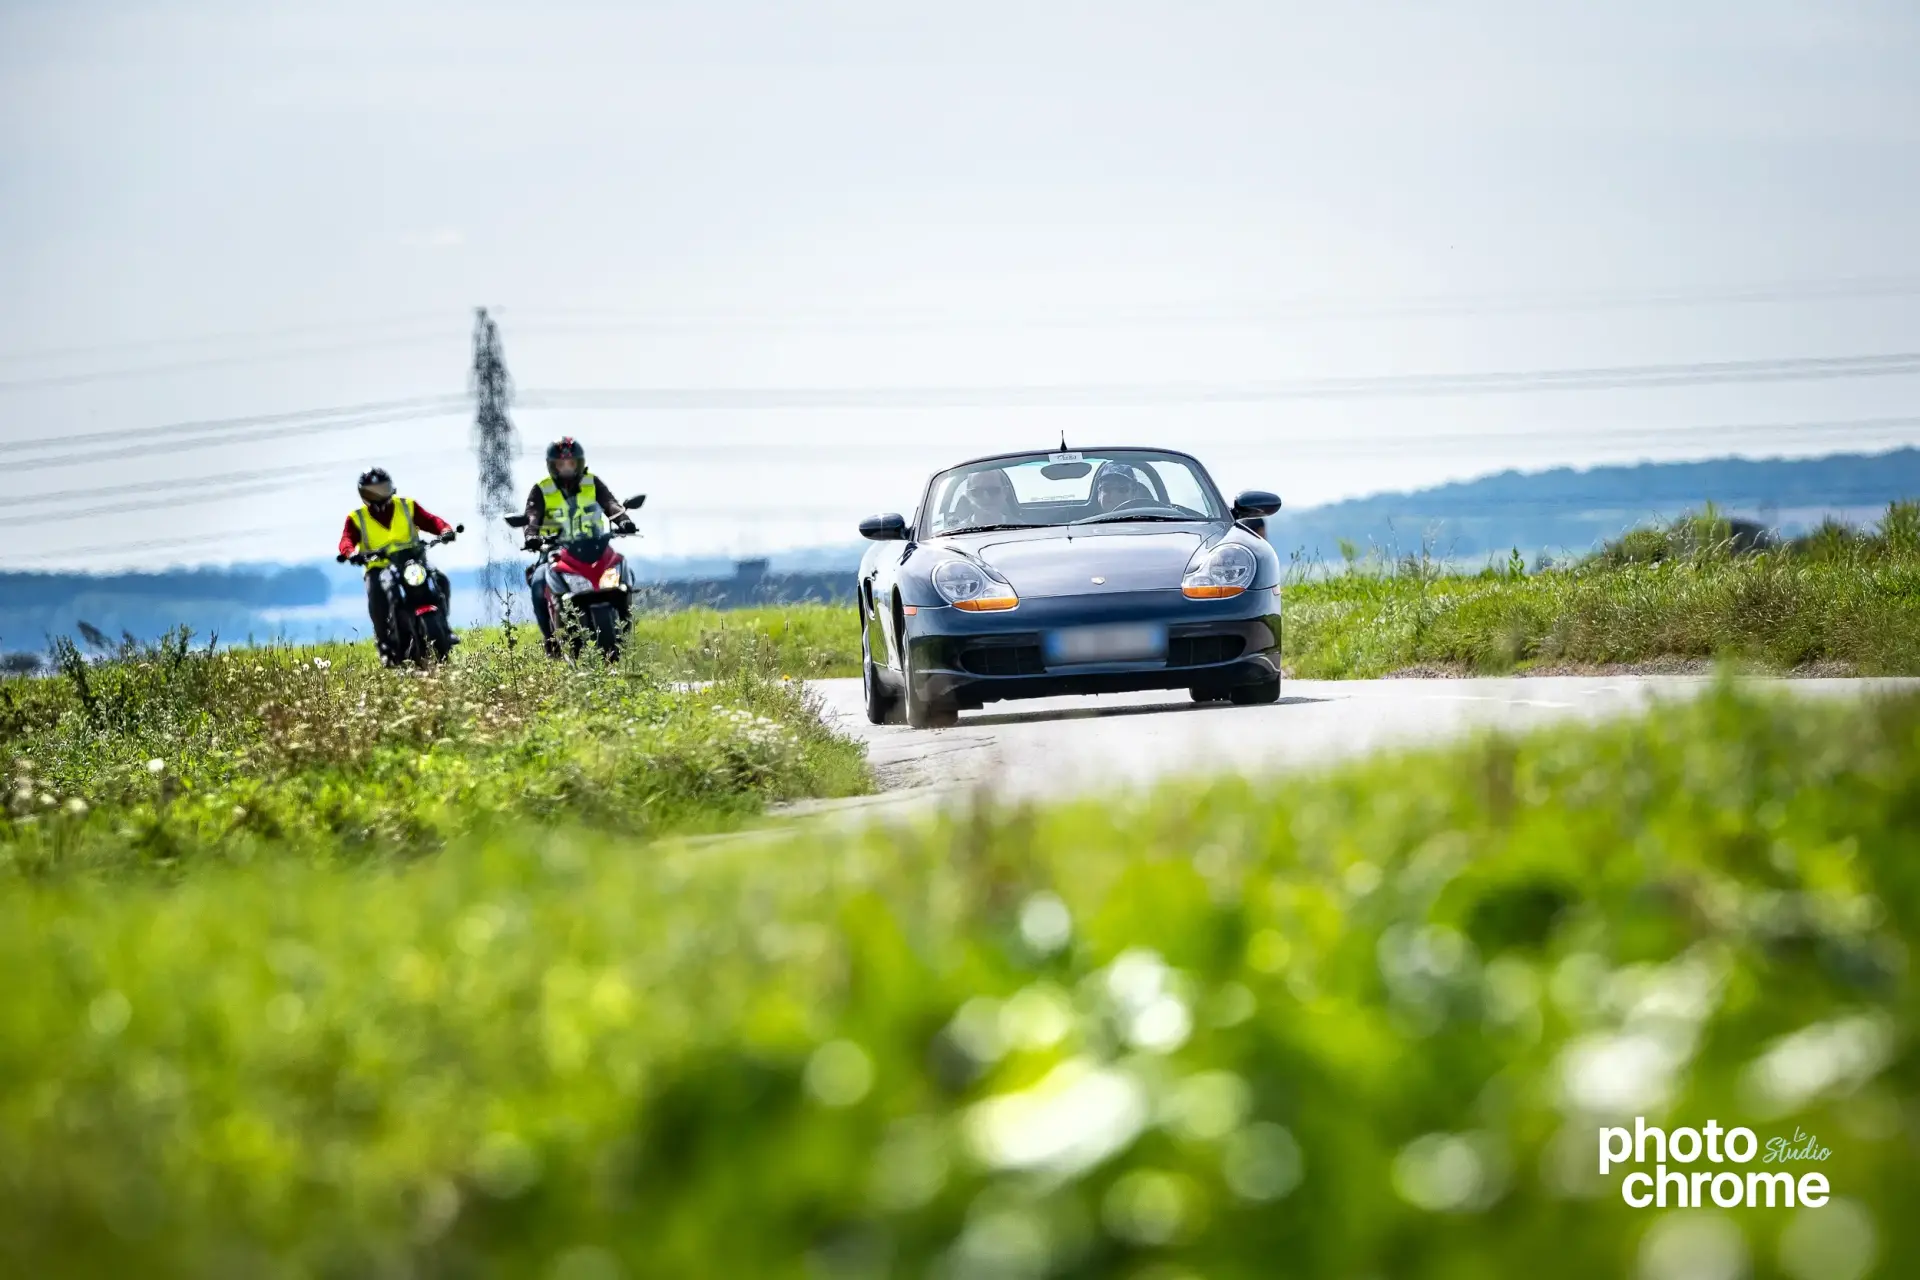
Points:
[(280, 588)]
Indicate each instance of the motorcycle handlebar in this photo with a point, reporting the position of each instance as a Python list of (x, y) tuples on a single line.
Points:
[(555, 540), (360, 557)]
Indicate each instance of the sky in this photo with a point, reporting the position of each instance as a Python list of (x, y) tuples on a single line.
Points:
[(214, 212)]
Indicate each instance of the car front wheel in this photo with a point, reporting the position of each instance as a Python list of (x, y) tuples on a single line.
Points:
[(1255, 695), (882, 706), (922, 712)]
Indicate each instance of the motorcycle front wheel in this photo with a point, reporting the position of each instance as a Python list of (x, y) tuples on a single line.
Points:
[(409, 646), (439, 634), (604, 621)]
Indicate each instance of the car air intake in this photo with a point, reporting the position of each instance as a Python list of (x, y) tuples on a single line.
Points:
[(1004, 660), (1202, 651)]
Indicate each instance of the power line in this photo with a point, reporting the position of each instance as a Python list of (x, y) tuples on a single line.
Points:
[(49, 381), (1202, 310), (1215, 312), (829, 454), (65, 553), (257, 476), (235, 430), (1619, 377), (407, 320), (1319, 442), (52, 459), (198, 496), (199, 484), (215, 425)]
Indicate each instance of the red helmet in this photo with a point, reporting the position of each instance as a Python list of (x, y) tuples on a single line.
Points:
[(566, 460)]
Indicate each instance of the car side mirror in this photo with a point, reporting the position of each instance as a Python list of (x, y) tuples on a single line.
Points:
[(635, 503), (891, 527), (517, 522), (1255, 503)]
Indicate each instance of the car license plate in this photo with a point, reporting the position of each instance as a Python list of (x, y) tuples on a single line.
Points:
[(1135, 643)]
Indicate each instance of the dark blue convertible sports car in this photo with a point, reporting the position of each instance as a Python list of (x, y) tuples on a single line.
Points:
[(1028, 575)]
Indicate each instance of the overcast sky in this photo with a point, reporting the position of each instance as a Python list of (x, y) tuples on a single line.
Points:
[(223, 211)]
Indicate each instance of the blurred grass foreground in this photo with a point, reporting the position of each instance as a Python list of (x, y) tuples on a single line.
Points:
[(1362, 1024)]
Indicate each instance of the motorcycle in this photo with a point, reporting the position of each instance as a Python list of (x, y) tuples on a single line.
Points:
[(417, 599), (588, 585)]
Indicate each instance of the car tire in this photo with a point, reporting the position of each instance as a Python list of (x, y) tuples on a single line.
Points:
[(1255, 695), (882, 707), (923, 713)]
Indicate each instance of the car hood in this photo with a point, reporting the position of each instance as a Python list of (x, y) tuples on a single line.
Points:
[(1065, 561)]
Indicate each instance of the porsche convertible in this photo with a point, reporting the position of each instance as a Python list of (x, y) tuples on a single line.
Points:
[(1030, 575)]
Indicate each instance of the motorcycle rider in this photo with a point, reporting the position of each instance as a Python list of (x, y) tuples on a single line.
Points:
[(567, 502), (382, 524)]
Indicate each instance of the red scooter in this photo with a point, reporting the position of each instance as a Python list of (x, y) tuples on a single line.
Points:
[(589, 588)]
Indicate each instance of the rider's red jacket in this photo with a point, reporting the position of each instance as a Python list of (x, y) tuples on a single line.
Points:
[(423, 519)]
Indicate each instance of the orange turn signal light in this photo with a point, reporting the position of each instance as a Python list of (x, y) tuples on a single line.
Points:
[(1210, 592), (988, 604)]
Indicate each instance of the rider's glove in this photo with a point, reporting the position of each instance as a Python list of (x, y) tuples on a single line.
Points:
[(623, 525), (531, 544), (448, 535)]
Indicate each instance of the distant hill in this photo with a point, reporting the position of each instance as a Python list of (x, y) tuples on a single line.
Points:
[(1570, 511)]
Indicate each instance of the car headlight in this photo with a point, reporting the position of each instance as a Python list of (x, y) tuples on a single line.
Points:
[(966, 585), (414, 574), (1225, 571)]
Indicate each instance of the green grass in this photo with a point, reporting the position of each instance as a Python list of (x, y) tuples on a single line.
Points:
[(804, 641), (1840, 596), (167, 758), (1339, 1026)]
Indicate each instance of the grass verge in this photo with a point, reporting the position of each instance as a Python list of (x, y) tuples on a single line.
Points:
[(804, 641), (167, 758), (1365, 1023), (1838, 597)]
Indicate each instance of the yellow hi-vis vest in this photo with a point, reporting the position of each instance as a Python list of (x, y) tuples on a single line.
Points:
[(575, 516), (377, 539)]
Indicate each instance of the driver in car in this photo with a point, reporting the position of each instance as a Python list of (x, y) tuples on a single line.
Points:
[(1115, 487), (987, 497)]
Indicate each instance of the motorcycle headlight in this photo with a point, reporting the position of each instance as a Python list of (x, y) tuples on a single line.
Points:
[(1225, 571), (966, 585), (610, 579), (414, 574)]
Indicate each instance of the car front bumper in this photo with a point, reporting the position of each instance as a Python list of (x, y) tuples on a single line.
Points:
[(968, 659)]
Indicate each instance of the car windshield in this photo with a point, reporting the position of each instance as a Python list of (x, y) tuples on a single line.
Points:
[(1041, 489)]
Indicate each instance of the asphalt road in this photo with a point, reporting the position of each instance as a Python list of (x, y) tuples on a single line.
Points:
[(1059, 746)]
